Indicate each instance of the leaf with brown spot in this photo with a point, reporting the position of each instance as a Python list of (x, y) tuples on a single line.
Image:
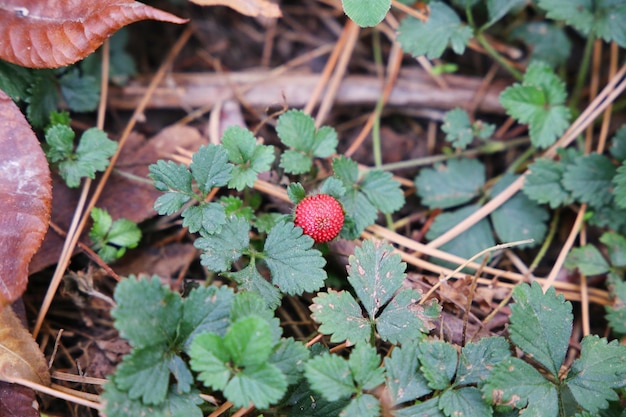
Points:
[(254, 8), (25, 199), (54, 33)]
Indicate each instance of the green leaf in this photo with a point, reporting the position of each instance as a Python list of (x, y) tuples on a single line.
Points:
[(428, 408), (366, 13), (330, 376), (618, 144), (458, 128), (147, 313), (382, 191), (589, 179), (210, 168), (438, 362), (620, 186), (81, 91), (403, 321), (479, 358), (600, 370), (210, 358), (341, 317), (587, 259), (601, 18), (497, 9), (296, 192), (206, 218), (15, 80), (365, 367), (250, 304), (295, 162), (334, 187), (544, 183), (249, 279), (541, 324), (220, 250), (375, 273), (290, 357), (234, 206), (431, 38), (365, 405), (43, 97), (538, 101), (404, 381), (547, 42), (260, 385), (466, 401), (175, 181), (119, 404), (295, 266), (249, 341), (124, 233), (616, 315), (206, 309), (112, 238), (451, 184), (305, 402), (249, 158), (102, 222), (144, 374), (514, 383), (518, 218), (60, 141), (616, 246)]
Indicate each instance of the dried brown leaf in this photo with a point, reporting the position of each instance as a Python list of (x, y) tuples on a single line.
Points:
[(25, 199), (53, 33), (254, 8), (20, 356)]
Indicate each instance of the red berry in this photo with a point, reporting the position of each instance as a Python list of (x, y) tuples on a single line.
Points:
[(320, 216)]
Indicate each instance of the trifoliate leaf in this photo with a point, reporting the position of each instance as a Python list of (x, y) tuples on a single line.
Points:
[(249, 158), (209, 357), (112, 238), (466, 401), (206, 309), (518, 218), (451, 184), (290, 357), (102, 222), (144, 373), (618, 144), (437, 362), (260, 385), (620, 186), (147, 313), (220, 250), (181, 373), (600, 369), (589, 179), (616, 246), (124, 233), (365, 367), (119, 404), (382, 191), (175, 181), (295, 162), (249, 341), (541, 324), (334, 187), (544, 183), (365, 405), (404, 381), (458, 128), (60, 141), (346, 170), (330, 376), (431, 38), (81, 91), (250, 304), (403, 321), (341, 317), (249, 279), (206, 218), (234, 206), (428, 408), (514, 383), (601, 18), (375, 273), (587, 259), (547, 42), (478, 359), (538, 102), (295, 266), (366, 13), (497, 9), (210, 168)]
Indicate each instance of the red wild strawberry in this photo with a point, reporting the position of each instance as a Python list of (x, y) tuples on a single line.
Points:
[(320, 216)]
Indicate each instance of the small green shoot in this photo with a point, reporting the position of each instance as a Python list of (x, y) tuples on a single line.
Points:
[(110, 239)]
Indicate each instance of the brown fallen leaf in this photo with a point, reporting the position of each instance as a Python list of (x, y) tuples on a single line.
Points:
[(254, 8), (25, 199), (53, 33), (20, 356)]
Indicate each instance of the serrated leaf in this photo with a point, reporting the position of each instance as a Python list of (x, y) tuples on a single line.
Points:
[(375, 273), (330, 376), (600, 370), (341, 317), (451, 184), (382, 191), (538, 102), (514, 383), (365, 367), (295, 162), (249, 341), (589, 179), (43, 97), (206, 309), (296, 192), (144, 373), (479, 358), (334, 187), (249, 279), (175, 181), (102, 222), (366, 13), (147, 313), (124, 233), (60, 140), (497, 9), (346, 170), (290, 357), (365, 405), (466, 401), (359, 209), (260, 385), (616, 314), (250, 304), (431, 38), (437, 362), (295, 266), (518, 218), (15, 80), (81, 91), (249, 158), (541, 324), (92, 155), (616, 247), (618, 144), (458, 128), (220, 250), (404, 381), (428, 408), (210, 168), (587, 259), (210, 358), (620, 186), (403, 321), (119, 404), (206, 218), (305, 402), (547, 42), (544, 183)]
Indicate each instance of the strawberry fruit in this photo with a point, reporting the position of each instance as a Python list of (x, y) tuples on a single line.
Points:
[(320, 216)]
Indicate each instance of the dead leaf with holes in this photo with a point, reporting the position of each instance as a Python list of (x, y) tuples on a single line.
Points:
[(54, 33), (253, 8)]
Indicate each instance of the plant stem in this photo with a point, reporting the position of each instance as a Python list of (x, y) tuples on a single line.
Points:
[(547, 241), (582, 73), (499, 58), (376, 144)]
